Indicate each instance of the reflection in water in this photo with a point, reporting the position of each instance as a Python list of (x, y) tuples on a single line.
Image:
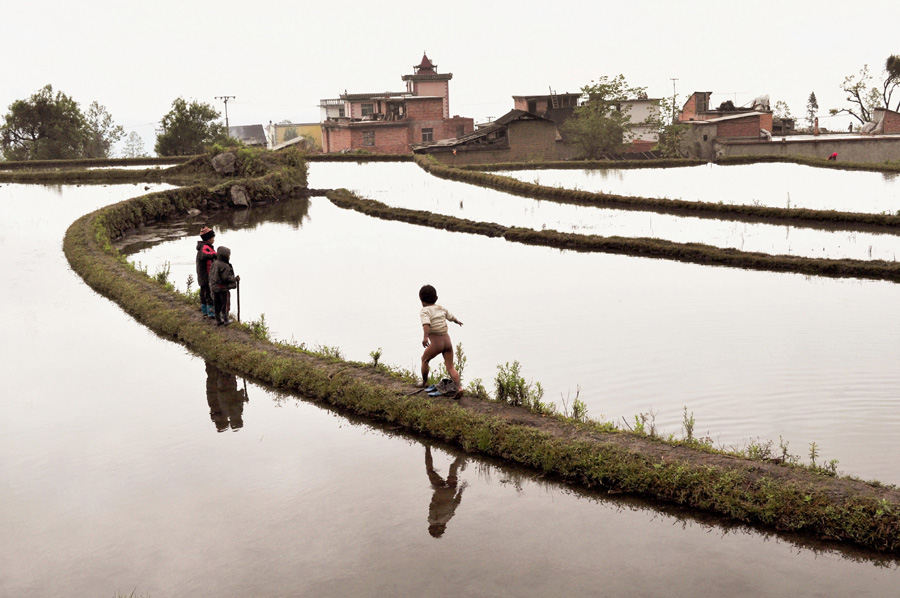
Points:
[(489, 472), (446, 497), (226, 400), (292, 211)]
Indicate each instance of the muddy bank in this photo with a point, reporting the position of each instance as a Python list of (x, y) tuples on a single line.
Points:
[(594, 455)]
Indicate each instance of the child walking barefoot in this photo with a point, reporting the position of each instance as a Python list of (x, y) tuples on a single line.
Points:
[(436, 338)]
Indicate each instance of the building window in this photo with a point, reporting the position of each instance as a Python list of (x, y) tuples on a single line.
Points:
[(368, 138), (706, 138), (368, 110), (427, 135), (460, 130), (341, 112)]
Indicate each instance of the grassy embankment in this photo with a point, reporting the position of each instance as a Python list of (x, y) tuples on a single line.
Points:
[(782, 497), (680, 162), (828, 219), (697, 253)]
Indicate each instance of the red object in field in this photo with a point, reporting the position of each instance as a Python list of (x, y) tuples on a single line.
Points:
[(833, 156)]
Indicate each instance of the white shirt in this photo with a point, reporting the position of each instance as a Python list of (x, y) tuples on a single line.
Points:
[(436, 317)]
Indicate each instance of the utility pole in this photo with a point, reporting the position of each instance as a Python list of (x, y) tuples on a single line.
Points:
[(225, 99), (674, 79)]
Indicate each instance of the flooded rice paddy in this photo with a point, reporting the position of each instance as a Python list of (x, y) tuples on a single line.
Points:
[(407, 186), (776, 185), (129, 463)]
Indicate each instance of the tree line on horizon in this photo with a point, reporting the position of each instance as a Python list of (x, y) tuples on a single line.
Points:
[(52, 126)]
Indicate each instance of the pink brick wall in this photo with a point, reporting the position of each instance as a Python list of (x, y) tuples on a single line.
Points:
[(742, 127), (425, 110), (891, 122)]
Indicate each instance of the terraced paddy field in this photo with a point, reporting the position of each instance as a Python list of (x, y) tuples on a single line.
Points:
[(128, 460)]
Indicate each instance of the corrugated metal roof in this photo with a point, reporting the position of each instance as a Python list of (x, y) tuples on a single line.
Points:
[(249, 134)]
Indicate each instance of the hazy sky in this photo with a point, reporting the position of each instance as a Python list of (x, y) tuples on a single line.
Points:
[(279, 59)]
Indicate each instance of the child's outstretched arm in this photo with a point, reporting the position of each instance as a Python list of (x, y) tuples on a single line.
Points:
[(426, 328)]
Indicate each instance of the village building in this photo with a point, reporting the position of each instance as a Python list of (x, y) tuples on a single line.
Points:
[(250, 135), (713, 134), (553, 106), (392, 122), (706, 126), (643, 113), (278, 134), (517, 136), (887, 122)]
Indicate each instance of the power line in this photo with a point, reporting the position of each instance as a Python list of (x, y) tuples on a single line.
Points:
[(225, 99), (674, 79)]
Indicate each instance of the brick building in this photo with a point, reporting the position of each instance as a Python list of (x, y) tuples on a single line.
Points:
[(887, 121), (643, 113), (554, 106), (391, 122), (516, 136), (697, 108), (705, 126), (700, 137)]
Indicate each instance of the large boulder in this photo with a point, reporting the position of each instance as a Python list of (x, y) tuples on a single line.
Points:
[(225, 163), (239, 196)]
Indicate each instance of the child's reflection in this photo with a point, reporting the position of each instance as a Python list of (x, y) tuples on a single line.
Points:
[(446, 497), (226, 401)]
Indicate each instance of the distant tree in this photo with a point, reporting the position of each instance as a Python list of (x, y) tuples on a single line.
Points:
[(812, 109), (782, 110), (891, 80), (134, 146), (602, 123), (101, 132), (865, 97), (669, 132), (290, 133), (43, 127), (188, 128)]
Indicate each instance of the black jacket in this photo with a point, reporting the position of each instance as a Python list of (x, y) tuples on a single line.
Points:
[(221, 274)]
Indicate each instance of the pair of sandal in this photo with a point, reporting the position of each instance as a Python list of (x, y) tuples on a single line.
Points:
[(444, 388)]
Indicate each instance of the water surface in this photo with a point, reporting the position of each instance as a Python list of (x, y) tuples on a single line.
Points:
[(753, 355), (777, 185), (128, 463), (407, 186)]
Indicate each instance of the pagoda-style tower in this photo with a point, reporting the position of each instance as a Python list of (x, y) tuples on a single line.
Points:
[(427, 82)]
